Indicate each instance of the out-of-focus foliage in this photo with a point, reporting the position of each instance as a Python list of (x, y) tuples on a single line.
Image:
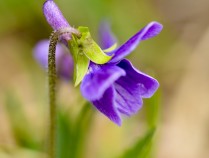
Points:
[(73, 134), (142, 146), (21, 127)]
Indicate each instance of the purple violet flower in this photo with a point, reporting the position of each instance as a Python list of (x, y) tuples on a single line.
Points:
[(64, 62), (117, 87)]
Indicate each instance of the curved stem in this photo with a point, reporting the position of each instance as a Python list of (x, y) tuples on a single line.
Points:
[(52, 77), (52, 94)]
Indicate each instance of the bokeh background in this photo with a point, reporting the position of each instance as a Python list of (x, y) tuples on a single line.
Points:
[(178, 58)]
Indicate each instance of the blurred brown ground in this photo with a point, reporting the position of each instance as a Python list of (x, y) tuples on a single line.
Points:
[(185, 126)]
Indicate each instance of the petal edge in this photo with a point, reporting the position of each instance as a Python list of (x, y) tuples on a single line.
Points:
[(147, 84), (149, 31), (106, 105), (99, 80)]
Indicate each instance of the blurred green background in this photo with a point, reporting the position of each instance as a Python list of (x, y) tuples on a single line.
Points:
[(178, 58)]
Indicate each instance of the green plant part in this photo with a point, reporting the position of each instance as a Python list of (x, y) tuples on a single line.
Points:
[(84, 49)]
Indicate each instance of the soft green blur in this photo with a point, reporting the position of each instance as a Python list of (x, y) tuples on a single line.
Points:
[(172, 124)]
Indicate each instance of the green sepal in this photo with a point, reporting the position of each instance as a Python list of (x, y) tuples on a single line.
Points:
[(81, 62), (90, 47), (84, 49)]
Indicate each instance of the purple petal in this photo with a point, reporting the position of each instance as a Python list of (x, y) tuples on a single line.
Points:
[(130, 89), (99, 79), (65, 69), (149, 31), (41, 53), (127, 96), (54, 16), (137, 81), (64, 61), (106, 106), (106, 37)]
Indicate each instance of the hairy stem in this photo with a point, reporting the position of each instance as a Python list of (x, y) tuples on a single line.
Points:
[(52, 94), (52, 77)]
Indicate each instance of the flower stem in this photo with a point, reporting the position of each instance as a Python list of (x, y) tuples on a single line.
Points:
[(52, 77)]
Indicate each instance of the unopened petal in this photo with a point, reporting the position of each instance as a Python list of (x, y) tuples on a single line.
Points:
[(54, 16)]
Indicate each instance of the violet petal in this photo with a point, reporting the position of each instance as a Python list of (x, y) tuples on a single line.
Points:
[(127, 96), (137, 81), (65, 69), (106, 37), (64, 62), (99, 79), (106, 106), (149, 31), (41, 53)]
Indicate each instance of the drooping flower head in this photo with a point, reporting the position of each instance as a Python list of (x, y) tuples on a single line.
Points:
[(114, 87), (117, 87)]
